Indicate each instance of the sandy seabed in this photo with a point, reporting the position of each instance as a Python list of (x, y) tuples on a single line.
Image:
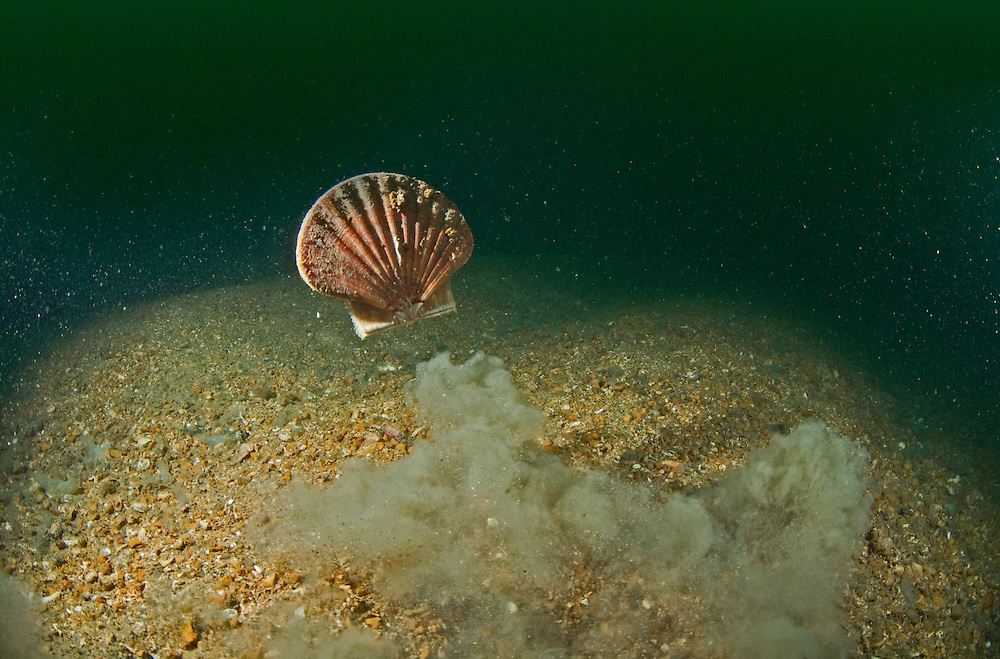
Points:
[(145, 453)]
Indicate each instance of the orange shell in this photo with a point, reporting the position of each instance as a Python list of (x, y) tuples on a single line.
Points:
[(387, 244)]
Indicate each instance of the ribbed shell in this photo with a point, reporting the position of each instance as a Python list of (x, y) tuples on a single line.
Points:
[(387, 244)]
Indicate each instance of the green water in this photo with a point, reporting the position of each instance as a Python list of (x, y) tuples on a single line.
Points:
[(837, 159)]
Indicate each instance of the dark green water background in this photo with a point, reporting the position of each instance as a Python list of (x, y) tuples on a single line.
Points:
[(838, 160)]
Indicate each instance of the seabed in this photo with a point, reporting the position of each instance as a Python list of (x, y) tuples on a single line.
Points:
[(148, 450)]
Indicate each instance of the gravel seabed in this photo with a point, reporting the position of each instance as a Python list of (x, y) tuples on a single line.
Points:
[(142, 450)]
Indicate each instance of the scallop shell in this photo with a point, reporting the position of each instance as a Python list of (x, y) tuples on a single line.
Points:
[(387, 244)]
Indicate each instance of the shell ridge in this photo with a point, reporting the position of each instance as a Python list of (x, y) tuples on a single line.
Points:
[(355, 198), (428, 265), (394, 216), (342, 284), (343, 225), (382, 220), (416, 259), (373, 235), (412, 213), (352, 244), (430, 242), (438, 266), (411, 229), (397, 228), (389, 209)]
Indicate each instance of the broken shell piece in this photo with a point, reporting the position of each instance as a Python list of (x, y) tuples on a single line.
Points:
[(387, 244)]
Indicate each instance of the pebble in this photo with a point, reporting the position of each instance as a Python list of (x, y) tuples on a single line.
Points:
[(189, 635)]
